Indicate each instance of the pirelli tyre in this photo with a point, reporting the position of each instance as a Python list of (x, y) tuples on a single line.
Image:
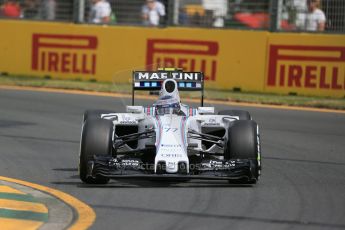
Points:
[(96, 138), (242, 114), (92, 114), (244, 143)]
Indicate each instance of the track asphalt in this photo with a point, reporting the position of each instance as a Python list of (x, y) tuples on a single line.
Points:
[(302, 184)]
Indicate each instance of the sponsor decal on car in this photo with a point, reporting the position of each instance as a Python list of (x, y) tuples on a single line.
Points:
[(128, 120), (186, 76), (171, 145), (211, 122), (215, 164), (130, 162), (171, 155), (193, 76)]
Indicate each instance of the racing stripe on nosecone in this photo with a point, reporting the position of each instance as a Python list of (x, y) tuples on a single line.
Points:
[(159, 127), (183, 133)]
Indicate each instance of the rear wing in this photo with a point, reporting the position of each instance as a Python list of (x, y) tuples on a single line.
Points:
[(152, 81)]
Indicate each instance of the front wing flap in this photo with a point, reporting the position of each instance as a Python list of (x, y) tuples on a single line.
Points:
[(134, 168)]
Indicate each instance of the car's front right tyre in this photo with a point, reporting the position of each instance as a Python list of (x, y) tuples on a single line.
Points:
[(96, 139)]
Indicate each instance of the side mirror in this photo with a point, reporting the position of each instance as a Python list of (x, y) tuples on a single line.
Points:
[(135, 109), (206, 110)]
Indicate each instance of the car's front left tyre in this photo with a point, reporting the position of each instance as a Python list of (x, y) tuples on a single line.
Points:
[(243, 142)]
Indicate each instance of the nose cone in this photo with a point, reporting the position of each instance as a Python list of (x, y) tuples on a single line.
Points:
[(172, 167), (171, 143)]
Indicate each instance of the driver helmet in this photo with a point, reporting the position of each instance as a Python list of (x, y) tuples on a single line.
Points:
[(167, 105), (169, 99)]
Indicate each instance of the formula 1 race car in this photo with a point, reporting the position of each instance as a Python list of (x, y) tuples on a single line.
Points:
[(169, 140)]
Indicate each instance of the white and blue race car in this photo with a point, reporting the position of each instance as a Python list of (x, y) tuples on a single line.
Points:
[(169, 140)]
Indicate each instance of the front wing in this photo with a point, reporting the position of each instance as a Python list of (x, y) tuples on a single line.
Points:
[(132, 168)]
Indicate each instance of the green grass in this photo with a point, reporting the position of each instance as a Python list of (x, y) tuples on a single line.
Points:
[(223, 95)]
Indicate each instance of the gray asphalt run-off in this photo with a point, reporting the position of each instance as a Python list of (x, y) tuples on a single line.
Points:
[(302, 184)]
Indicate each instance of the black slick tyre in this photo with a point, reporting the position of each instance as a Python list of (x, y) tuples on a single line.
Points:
[(96, 138), (244, 143)]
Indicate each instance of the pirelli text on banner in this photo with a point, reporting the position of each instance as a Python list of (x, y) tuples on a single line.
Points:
[(191, 55), (306, 67), (71, 54)]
